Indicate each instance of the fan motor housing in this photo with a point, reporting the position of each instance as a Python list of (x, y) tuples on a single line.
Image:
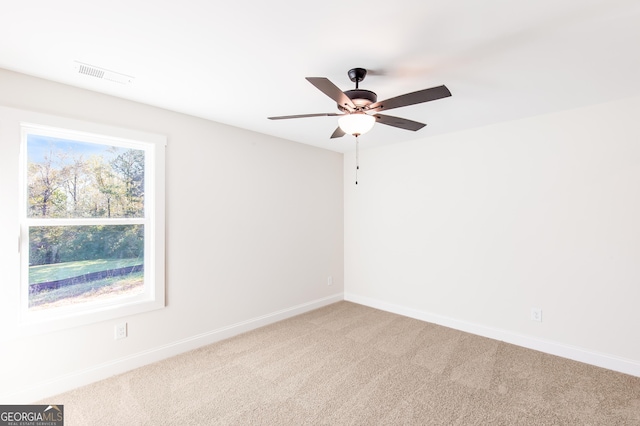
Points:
[(360, 97)]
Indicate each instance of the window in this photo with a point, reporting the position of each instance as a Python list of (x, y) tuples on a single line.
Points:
[(92, 224)]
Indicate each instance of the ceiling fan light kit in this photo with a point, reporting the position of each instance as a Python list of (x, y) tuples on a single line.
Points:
[(357, 123)]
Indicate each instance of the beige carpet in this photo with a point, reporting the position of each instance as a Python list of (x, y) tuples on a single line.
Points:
[(350, 364)]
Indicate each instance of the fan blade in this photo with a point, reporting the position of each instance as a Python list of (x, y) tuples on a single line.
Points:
[(412, 98), (402, 123), (324, 114), (332, 91), (338, 133)]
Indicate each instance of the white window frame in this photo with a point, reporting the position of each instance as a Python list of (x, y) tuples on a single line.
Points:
[(153, 296)]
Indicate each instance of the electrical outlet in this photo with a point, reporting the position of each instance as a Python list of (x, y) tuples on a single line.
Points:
[(330, 280), (121, 331), (536, 314)]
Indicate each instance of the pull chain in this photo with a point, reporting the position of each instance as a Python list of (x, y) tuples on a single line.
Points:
[(357, 160)]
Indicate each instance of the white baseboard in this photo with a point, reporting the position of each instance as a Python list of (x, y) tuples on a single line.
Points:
[(102, 371), (610, 362)]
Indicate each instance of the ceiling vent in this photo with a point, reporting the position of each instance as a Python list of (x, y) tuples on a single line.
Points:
[(103, 74)]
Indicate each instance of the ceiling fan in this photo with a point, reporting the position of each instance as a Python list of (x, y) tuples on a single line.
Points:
[(360, 108)]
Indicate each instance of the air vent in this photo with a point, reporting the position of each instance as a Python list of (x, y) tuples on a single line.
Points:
[(103, 74)]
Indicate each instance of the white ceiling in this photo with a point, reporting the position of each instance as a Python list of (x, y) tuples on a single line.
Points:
[(242, 61)]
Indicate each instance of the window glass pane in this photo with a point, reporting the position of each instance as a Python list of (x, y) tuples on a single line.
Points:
[(77, 264), (72, 179)]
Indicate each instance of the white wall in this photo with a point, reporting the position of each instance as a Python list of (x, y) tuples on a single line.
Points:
[(254, 228), (473, 229)]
